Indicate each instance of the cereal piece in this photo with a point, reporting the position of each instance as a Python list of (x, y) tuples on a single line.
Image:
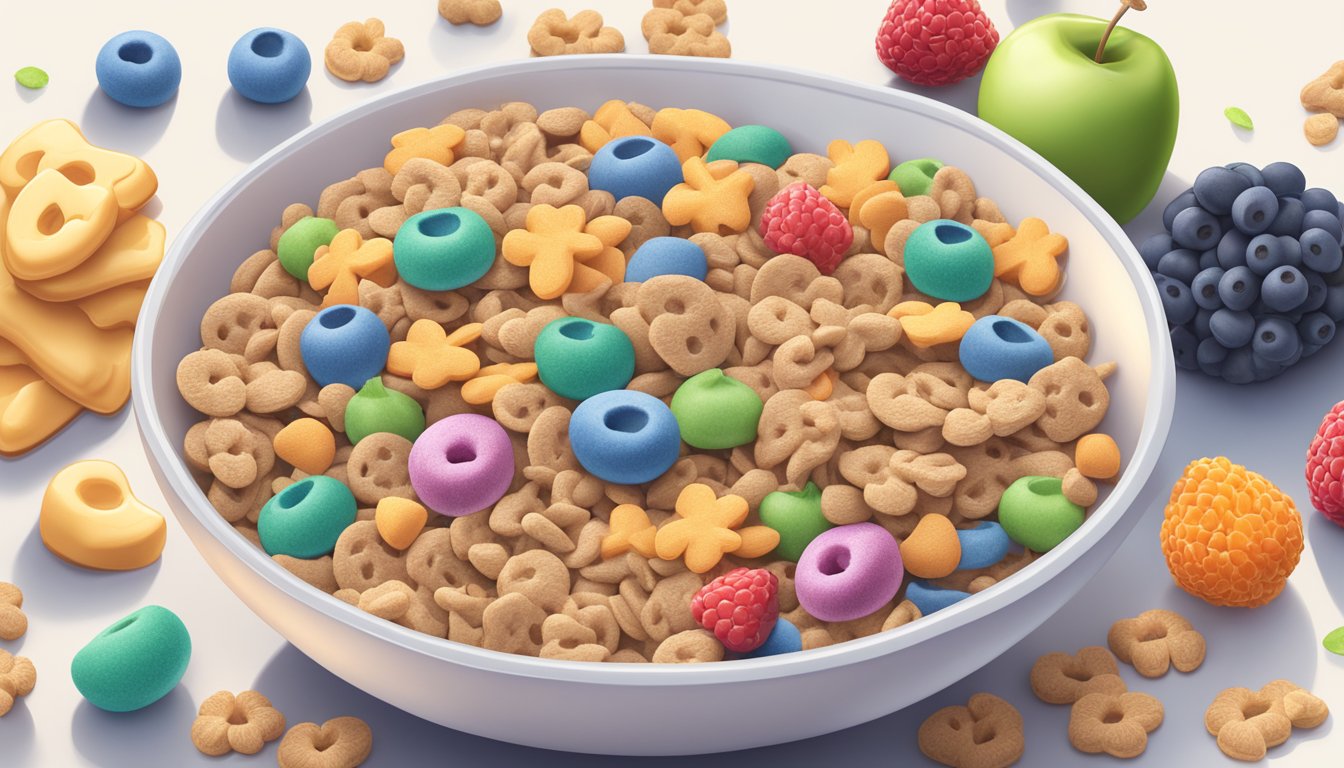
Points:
[(479, 12), (432, 357), (482, 388), (1097, 456), (338, 268), (210, 381), (1321, 129), (954, 193), (1031, 258), (56, 144), (307, 444), (926, 325), (932, 550), (131, 254), (856, 166), (693, 646), (564, 637), (686, 323), (670, 32), (1246, 723), (1117, 724), (90, 517), (711, 199), (13, 622), (17, 679), (612, 120), (362, 52), (1076, 399), (715, 9), (689, 132), (848, 572), (557, 247), (880, 213), (630, 530), (1326, 93), (1078, 489), (1155, 640), (797, 431), (242, 724), (1058, 678), (435, 144), (554, 34), (400, 521), (342, 742), (986, 733), (704, 529)]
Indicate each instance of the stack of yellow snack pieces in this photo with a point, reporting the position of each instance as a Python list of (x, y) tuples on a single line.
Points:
[(75, 261)]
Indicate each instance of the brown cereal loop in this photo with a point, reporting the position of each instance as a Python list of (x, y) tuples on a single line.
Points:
[(688, 327), (378, 468), (243, 723), (13, 622), (342, 742), (362, 560), (538, 575), (692, 646)]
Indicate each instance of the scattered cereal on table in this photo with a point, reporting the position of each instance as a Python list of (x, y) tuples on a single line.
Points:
[(243, 723), (17, 678), (1117, 724), (13, 621), (1156, 640), (1247, 723), (555, 34), (986, 733), (362, 51), (479, 12), (342, 742)]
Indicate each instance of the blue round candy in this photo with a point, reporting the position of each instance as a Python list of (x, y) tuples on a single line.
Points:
[(1316, 328), (1210, 356), (1291, 249), (1237, 367), (666, 256), (138, 69), (1239, 288), (1321, 251), (1275, 340), (997, 347), (1254, 210), (269, 66), (1317, 199), (928, 598), (1196, 228), (1232, 329), (784, 638), (1232, 249), (1249, 171), (1316, 292), (982, 546), (1184, 346), (1284, 179), (1154, 248), (1209, 259), (1181, 264), (1289, 220), (1204, 288), (1326, 220), (1264, 254), (635, 166), (1200, 325), (1177, 302), (1284, 289), (1216, 188), (625, 437), (1334, 303), (1182, 201), (344, 344)]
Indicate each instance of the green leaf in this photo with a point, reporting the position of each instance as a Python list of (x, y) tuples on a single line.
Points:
[(1334, 642), (31, 78), (1239, 118)]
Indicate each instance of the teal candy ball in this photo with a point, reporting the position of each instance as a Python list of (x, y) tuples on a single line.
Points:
[(1035, 514), (751, 144), (375, 408), (796, 515), (133, 663), (305, 519), (716, 411), (949, 261), (301, 240), (578, 358), (443, 249), (914, 177)]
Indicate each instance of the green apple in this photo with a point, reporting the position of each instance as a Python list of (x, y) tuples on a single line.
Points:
[(797, 516), (1110, 126)]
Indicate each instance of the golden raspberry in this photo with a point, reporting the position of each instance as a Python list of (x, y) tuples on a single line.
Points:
[(1230, 536)]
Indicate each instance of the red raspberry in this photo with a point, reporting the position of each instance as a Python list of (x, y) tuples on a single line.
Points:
[(935, 42), (800, 221), (740, 608), (1325, 466)]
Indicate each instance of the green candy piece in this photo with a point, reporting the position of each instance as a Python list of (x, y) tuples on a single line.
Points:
[(1334, 642), (578, 358), (914, 177), (135, 662), (949, 261), (1238, 117), (298, 243), (307, 518), (443, 249), (751, 144), (1035, 514), (32, 78), (716, 411), (375, 408), (797, 516)]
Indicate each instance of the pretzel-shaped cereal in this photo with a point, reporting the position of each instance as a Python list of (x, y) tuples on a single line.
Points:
[(692, 646), (1326, 93), (986, 733), (715, 9), (710, 199), (1246, 723), (1076, 399), (954, 193), (13, 622), (362, 51), (797, 431), (688, 328), (1058, 678), (669, 32), (17, 679), (891, 478), (342, 742), (478, 12), (554, 34), (1155, 640), (1117, 724), (243, 724)]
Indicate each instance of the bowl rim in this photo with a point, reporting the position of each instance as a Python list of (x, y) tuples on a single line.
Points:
[(1157, 412)]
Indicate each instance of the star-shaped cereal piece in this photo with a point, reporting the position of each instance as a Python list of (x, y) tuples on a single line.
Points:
[(362, 51), (1031, 258), (1156, 640), (549, 247), (433, 357), (612, 120), (711, 199), (703, 529), (689, 132), (338, 267), (1117, 724), (630, 529), (482, 388), (856, 167), (610, 263), (435, 143), (242, 723), (926, 325)]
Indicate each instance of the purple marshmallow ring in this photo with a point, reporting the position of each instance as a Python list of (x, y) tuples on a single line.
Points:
[(461, 464), (849, 571)]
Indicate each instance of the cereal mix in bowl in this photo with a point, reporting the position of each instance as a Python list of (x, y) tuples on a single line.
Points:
[(640, 386)]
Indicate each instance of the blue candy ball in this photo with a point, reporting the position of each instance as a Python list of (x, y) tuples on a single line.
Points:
[(625, 437), (1204, 288), (1326, 220), (1154, 248), (1232, 329), (138, 69), (1181, 264), (1182, 201), (1284, 289), (1285, 179), (1239, 288), (1289, 220), (1232, 249), (635, 166), (1184, 345), (269, 66), (1216, 188), (666, 256), (1210, 356), (1177, 302), (344, 344), (1321, 250), (1264, 254), (1254, 210), (982, 546), (997, 347), (1275, 340), (784, 638), (1196, 228), (1316, 328), (1249, 171)]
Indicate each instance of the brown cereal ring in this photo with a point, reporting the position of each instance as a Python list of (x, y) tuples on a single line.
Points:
[(691, 646), (377, 468), (1117, 724), (563, 637), (317, 572), (1079, 489), (871, 281), (489, 181), (512, 624), (1065, 328), (986, 733), (1320, 129), (17, 679), (243, 724), (562, 122), (805, 166), (668, 609), (13, 622), (237, 454), (954, 192), (688, 327), (646, 219), (1025, 311), (478, 12), (1076, 399), (1058, 678), (554, 34), (275, 391), (433, 561), (210, 381), (554, 184), (245, 277), (362, 51), (517, 406), (670, 32), (362, 560), (540, 576), (342, 742), (715, 9), (1156, 640), (904, 613), (232, 320)]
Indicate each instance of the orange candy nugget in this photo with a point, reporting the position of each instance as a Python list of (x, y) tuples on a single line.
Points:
[(399, 521), (1230, 536), (307, 444)]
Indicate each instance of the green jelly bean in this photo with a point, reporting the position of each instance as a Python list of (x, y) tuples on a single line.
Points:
[(578, 358), (949, 260), (797, 516), (914, 177), (751, 144), (716, 411), (298, 244), (305, 519), (443, 249), (135, 662), (1334, 642), (1035, 514), (375, 408), (32, 78)]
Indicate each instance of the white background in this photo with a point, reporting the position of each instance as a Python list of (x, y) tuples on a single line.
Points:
[(1254, 55)]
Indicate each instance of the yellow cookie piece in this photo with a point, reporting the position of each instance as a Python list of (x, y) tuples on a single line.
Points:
[(58, 145), (856, 167), (1031, 258), (689, 132), (131, 254), (482, 388), (55, 225), (612, 120), (879, 214), (90, 518), (861, 197), (31, 410), (116, 307), (630, 529), (337, 268), (711, 199)]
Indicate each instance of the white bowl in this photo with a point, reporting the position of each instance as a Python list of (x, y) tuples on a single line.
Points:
[(645, 708)]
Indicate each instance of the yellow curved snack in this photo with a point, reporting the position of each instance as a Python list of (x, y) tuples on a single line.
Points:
[(90, 518), (59, 145), (55, 225), (31, 410), (131, 254)]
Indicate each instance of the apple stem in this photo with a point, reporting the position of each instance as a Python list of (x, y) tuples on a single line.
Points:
[(1125, 5)]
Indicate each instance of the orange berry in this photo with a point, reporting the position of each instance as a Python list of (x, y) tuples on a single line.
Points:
[(1230, 536)]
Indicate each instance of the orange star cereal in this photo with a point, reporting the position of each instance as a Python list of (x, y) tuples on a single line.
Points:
[(1031, 258), (713, 198)]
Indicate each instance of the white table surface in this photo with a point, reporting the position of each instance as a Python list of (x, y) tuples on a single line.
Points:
[(1242, 53)]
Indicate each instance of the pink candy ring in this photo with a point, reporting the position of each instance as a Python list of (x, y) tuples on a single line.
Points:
[(461, 464), (849, 572)]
